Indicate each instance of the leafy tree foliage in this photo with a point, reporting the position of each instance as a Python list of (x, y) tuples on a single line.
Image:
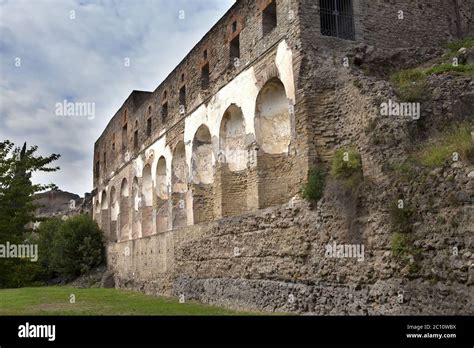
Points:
[(17, 207)]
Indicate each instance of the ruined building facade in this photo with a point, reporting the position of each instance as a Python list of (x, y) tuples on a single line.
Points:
[(232, 131)]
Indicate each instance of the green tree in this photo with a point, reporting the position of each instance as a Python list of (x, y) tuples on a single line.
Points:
[(17, 207), (70, 248)]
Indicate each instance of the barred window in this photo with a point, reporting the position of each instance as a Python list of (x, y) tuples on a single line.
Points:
[(337, 19)]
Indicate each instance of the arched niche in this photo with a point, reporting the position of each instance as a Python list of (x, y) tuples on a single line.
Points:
[(232, 138), (162, 195), (202, 157), (124, 211), (272, 118), (179, 184)]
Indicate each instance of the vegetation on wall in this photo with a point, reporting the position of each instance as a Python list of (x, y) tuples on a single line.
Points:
[(314, 189), (346, 166), (400, 217), (457, 140), (411, 84)]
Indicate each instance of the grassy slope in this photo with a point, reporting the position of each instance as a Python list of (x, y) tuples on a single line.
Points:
[(96, 301)]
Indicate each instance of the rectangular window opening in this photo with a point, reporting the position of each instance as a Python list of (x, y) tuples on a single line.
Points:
[(135, 140), (124, 137), (164, 112), (269, 18), (205, 76), (148, 127), (182, 96), (337, 19), (235, 48)]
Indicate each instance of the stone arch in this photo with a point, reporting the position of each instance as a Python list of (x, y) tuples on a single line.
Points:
[(272, 118), (104, 214), (104, 205), (124, 211), (232, 138), (162, 193), (147, 201), (97, 206), (233, 168), (202, 157), (114, 207), (114, 212), (273, 133), (147, 187), (136, 204), (179, 184), (202, 163)]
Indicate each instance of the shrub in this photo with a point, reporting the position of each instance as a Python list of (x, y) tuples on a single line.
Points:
[(313, 190), (457, 140), (72, 247), (410, 84), (461, 69), (346, 164), (406, 170), (401, 244), (404, 250), (47, 233), (401, 218), (457, 45)]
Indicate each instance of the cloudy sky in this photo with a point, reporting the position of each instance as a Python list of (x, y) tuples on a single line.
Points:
[(76, 50)]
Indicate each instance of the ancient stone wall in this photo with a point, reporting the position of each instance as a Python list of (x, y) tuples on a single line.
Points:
[(205, 174)]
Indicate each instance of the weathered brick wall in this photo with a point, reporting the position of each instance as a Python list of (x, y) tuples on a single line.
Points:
[(222, 70), (421, 23), (466, 18), (203, 203), (260, 258), (234, 187), (275, 260), (147, 220), (276, 181)]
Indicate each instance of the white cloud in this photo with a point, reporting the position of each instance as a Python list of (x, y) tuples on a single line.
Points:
[(82, 58)]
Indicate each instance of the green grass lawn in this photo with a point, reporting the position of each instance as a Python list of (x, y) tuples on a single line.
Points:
[(97, 301)]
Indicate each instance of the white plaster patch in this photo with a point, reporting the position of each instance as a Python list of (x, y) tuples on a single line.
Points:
[(284, 63)]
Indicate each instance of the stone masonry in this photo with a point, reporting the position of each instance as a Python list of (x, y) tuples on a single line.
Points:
[(196, 183)]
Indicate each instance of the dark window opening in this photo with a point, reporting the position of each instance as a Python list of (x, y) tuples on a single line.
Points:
[(97, 169), (235, 48), (105, 161), (337, 19), (164, 112), (269, 18), (124, 137), (234, 26), (148, 127), (135, 140), (182, 96), (182, 77), (113, 146), (205, 76), (165, 94), (205, 55)]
